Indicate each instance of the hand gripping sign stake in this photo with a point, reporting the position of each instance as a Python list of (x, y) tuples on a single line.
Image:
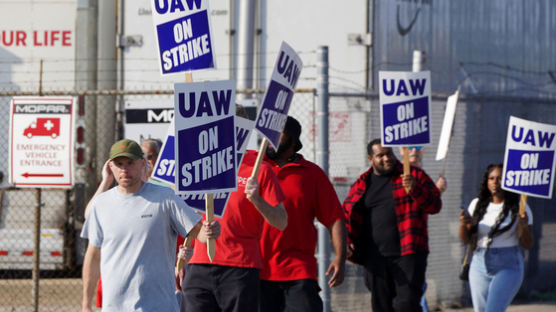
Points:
[(260, 156), (522, 205)]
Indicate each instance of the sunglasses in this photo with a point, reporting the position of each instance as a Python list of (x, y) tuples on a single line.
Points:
[(417, 147)]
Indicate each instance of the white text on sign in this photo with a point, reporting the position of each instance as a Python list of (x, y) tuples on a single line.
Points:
[(208, 166), (407, 126), (188, 48)]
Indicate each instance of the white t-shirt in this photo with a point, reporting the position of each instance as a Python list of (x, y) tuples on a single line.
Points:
[(137, 234), (506, 239)]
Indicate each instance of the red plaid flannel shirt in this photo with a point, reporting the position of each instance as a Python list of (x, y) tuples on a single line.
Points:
[(411, 211)]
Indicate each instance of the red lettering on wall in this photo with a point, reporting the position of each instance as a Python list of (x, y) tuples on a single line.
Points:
[(66, 38), (13, 38)]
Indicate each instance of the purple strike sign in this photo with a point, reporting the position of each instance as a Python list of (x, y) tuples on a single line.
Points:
[(209, 166), (409, 129), (273, 112), (183, 34), (529, 161), (405, 108), (165, 167)]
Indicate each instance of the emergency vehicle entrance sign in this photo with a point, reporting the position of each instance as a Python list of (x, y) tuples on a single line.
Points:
[(405, 108), (529, 161), (42, 142)]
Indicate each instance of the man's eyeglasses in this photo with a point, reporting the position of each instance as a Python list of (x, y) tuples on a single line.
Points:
[(417, 147), (150, 156)]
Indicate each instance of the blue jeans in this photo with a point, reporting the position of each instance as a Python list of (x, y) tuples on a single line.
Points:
[(495, 276)]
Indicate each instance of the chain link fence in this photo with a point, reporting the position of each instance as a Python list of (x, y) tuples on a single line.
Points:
[(479, 133)]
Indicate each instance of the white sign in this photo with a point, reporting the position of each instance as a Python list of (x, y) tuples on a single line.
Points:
[(205, 144), (529, 161), (405, 108), (147, 119), (274, 109), (42, 141), (183, 33), (446, 133)]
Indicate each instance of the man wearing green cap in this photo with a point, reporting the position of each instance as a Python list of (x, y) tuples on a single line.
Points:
[(135, 224)]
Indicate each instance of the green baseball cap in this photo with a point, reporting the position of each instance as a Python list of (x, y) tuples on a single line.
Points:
[(126, 148)]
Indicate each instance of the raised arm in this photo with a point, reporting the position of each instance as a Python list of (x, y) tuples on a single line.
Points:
[(274, 215), (107, 180)]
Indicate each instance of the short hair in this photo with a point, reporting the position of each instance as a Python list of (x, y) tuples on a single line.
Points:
[(370, 146), (154, 144)]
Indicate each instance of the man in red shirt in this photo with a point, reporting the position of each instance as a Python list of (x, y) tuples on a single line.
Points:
[(289, 274), (387, 228), (231, 281)]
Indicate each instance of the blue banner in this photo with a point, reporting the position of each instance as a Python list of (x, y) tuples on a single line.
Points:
[(207, 157), (406, 123)]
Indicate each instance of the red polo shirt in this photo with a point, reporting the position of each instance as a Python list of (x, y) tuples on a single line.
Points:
[(242, 224), (290, 254)]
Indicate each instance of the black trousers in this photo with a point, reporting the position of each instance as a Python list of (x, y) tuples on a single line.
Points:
[(209, 288), (291, 296), (396, 283)]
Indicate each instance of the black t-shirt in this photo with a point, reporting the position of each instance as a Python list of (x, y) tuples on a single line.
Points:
[(380, 215)]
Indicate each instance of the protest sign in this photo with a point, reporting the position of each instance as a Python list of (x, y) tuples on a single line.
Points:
[(279, 94), (405, 108), (529, 160), (164, 169), (244, 128), (42, 142), (205, 137), (183, 33)]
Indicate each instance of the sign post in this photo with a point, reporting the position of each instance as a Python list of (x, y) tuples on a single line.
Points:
[(204, 142), (405, 110), (164, 171), (273, 112), (529, 159)]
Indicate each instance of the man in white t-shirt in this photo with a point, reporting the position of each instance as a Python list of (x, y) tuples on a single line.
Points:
[(135, 224)]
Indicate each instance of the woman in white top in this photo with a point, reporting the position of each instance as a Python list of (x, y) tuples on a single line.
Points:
[(495, 230)]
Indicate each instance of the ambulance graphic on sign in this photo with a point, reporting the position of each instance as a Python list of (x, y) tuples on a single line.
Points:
[(43, 127)]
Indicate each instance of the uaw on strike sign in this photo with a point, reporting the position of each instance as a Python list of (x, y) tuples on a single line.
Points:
[(529, 161), (273, 112), (405, 108), (165, 169), (183, 32), (41, 141), (205, 142)]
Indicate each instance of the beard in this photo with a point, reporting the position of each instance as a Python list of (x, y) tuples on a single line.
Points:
[(282, 147)]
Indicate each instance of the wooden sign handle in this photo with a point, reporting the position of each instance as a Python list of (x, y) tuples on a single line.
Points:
[(209, 211), (406, 168), (262, 151), (187, 243), (522, 205)]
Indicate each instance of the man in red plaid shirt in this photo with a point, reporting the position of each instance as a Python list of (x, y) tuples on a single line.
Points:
[(387, 229)]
